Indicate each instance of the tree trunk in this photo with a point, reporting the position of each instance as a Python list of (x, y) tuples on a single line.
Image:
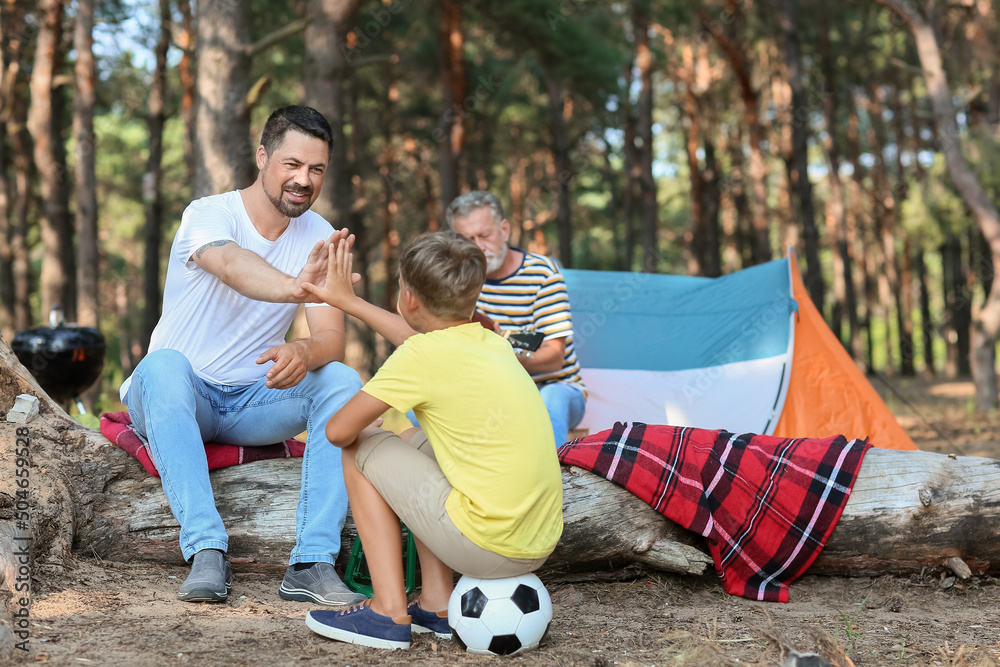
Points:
[(89, 497), (855, 226), (631, 164), (20, 144), (152, 184), (185, 40), (87, 248), (6, 233), (712, 260), (743, 239), (692, 128), (884, 214), (800, 151), (926, 323), (560, 156), (957, 311), (224, 153), (387, 165), (904, 306), (904, 283), (986, 328), (735, 52), (450, 134), (613, 206), (644, 132), (327, 62), (984, 265), (56, 231), (11, 20)]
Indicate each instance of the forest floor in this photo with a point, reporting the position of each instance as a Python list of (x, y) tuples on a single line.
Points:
[(103, 613)]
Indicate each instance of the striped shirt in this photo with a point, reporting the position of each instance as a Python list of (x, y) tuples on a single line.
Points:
[(534, 298)]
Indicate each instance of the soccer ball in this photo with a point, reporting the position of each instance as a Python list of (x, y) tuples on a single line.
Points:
[(499, 616)]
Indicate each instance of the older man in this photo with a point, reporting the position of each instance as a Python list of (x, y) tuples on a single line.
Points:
[(219, 368), (525, 292)]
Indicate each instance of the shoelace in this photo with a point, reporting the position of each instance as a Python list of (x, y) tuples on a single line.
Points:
[(356, 607)]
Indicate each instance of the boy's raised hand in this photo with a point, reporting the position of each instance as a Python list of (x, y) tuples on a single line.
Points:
[(338, 287)]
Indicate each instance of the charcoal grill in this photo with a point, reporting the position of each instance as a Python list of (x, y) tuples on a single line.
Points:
[(64, 358)]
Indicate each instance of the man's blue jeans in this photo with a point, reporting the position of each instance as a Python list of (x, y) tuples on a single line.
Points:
[(176, 411), (566, 405)]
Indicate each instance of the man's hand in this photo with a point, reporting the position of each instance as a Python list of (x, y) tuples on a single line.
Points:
[(291, 361), (337, 285)]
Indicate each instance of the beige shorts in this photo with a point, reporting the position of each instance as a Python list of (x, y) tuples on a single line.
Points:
[(408, 477)]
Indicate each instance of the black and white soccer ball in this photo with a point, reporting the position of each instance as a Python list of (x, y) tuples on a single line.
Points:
[(499, 616)]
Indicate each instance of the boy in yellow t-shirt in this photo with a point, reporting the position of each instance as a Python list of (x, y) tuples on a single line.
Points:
[(480, 487)]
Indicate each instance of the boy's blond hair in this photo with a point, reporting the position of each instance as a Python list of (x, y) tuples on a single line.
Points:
[(446, 271)]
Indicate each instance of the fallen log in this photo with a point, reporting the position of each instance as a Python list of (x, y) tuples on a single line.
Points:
[(909, 510)]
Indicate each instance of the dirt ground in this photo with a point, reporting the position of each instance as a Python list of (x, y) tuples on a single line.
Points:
[(103, 613)]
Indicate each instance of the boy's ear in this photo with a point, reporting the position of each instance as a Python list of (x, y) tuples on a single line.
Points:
[(412, 302)]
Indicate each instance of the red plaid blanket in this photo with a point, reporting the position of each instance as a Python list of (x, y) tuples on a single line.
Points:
[(767, 505), (117, 427)]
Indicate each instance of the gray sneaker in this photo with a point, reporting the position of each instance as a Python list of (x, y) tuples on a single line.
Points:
[(320, 584), (210, 580)]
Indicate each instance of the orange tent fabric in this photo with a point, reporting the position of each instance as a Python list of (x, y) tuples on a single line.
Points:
[(827, 394)]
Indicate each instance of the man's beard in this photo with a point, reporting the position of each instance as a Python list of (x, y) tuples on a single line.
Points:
[(288, 208), (495, 260)]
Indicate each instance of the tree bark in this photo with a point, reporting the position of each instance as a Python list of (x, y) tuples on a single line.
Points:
[(630, 160), (56, 231), (904, 284), (959, 304), (649, 228), (87, 248), (692, 128), (388, 164), (20, 145), (327, 63), (986, 328), (711, 203), (450, 134), (854, 231), (6, 235), (800, 152), (735, 53), (560, 156), (185, 40), (743, 236), (224, 154), (904, 305), (152, 184), (926, 323), (11, 23), (845, 298)]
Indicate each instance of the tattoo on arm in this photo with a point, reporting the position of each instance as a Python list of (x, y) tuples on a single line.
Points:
[(214, 244)]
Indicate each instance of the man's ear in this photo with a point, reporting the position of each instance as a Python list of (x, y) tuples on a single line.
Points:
[(261, 157), (505, 230)]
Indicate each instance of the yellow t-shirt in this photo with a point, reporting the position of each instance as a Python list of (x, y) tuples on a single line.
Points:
[(490, 432)]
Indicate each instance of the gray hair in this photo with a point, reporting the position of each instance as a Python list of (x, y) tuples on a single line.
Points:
[(463, 206)]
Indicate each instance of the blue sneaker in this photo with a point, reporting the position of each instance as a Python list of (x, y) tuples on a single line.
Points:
[(428, 621), (361, 625)]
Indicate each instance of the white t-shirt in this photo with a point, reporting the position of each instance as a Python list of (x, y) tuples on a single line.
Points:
[(220, 331)]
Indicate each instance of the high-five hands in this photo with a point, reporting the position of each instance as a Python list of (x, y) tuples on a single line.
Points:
[(316, 267), (337, 285)]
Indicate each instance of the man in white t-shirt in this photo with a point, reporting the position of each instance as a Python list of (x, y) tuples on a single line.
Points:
[(219, 368)]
